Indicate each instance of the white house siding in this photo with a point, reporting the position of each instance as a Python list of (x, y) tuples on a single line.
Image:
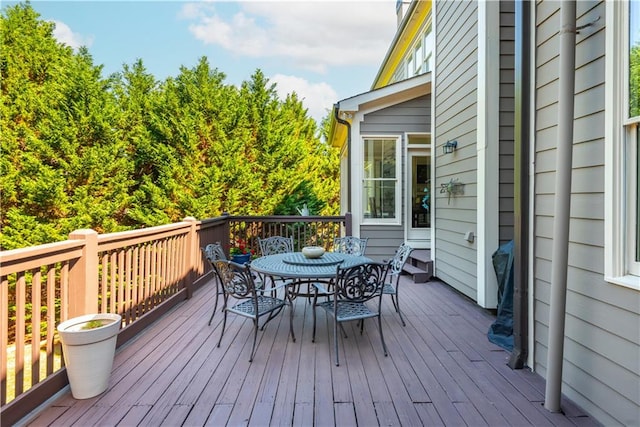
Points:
[(506, 125), (413, 116), (456, 119), (601, 369)]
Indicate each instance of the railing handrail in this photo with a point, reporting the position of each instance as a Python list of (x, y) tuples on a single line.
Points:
[(133, 237), (22, 259)]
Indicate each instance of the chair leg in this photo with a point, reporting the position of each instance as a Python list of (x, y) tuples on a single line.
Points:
[(335, 339), (224, 324), (384, 345), (313, 307), (293, 336), (397, 304), (255, 337), (215, 304), (344, 333)]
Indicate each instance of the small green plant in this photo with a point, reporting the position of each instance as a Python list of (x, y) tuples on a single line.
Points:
[(93, 324)]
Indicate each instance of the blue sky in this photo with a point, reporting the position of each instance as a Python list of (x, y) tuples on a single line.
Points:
[(325, 51)]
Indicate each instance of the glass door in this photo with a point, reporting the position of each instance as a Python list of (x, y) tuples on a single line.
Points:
[(419, 198)]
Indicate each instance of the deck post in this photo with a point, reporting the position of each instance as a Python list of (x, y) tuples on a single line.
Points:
[(191, 256), (83, 276), (226, 232), (348, 228)]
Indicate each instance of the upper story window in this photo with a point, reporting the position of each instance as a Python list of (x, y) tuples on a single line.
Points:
[(410, 66), (622, 139), (428, 50), (418, 55), (381, 186), (419, 59)]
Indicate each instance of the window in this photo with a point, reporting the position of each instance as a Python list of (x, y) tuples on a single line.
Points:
[(418, 55), (428, 51), (381, 192), (632, 82), (634, 214), (622, 158), (410, 65)]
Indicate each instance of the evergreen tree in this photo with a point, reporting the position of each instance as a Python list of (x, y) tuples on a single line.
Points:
[(82, 151)]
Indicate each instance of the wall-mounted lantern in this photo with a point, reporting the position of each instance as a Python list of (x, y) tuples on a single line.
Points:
[(449, 147)]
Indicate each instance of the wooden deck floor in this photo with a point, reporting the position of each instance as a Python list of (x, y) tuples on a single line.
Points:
[(441, 370)]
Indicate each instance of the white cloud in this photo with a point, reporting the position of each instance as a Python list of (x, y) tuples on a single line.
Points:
[(312, 35), (63, 34), (306, 36), (316, 97)]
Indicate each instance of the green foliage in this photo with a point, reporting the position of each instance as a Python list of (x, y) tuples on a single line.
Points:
[(83, 151), (634, 81)]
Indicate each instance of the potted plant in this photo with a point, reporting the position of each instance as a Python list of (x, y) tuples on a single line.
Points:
[(240, 253), (88, 347)]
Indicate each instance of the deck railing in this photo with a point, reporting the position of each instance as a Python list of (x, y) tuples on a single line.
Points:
[(138, 274)]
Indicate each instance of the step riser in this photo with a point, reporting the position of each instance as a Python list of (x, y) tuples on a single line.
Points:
[(420, 270)]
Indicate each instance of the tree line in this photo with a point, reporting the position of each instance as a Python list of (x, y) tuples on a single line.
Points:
[(126, 151)]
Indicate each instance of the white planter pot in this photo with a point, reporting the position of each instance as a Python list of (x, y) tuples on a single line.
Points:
[(88, 353)]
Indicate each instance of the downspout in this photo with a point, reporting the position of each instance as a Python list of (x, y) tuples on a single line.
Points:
[(336, 110), (562, 211), (521, 183)]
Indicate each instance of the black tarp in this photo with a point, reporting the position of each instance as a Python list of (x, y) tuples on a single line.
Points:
[(501, 331)]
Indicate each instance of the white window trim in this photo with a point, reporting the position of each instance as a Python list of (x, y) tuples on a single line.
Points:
[(615, 245), (398, 196)]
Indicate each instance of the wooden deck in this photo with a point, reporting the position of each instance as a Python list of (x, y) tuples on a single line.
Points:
[(441, 370)]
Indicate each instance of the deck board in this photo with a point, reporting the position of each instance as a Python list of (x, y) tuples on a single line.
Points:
[(441, 370)]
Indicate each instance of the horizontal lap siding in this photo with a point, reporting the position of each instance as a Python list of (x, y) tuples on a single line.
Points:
[(413, 116), (409, 116), (506, 125), (383, 240), (456, 119), (601, 353)]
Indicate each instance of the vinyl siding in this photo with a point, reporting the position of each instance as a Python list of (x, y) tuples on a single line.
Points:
[(383, 240), (602, 339), (409, 116), (456, 119), (506, 124), (413, 116)]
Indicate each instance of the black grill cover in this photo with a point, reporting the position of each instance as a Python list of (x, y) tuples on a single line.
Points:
[(501, 331)]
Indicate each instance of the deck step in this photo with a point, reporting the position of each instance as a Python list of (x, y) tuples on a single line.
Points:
[(419, 266)]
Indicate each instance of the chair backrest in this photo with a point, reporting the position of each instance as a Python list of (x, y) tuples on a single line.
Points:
[(399, 259), (237, 280), (350, 245), (214, 251), (361, 282), (275, 245)]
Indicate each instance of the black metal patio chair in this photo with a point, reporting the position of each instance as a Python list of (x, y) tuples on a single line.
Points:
[(350, 245), (212, 253), (353, 288), (395, 270), (275, 245), (238, 284)]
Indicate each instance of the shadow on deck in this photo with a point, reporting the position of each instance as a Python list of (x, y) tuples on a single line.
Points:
[(441, 370)]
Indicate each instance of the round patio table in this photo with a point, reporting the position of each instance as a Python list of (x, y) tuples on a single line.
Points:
[(295, 265)]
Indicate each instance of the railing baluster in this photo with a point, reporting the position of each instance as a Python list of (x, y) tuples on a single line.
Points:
[(21, 291), (36, 306), (51, 313)]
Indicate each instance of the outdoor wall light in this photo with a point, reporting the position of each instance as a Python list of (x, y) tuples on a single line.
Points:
[(449, 147)]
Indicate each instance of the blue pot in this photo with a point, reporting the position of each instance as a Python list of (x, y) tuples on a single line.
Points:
[(241, 259)]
